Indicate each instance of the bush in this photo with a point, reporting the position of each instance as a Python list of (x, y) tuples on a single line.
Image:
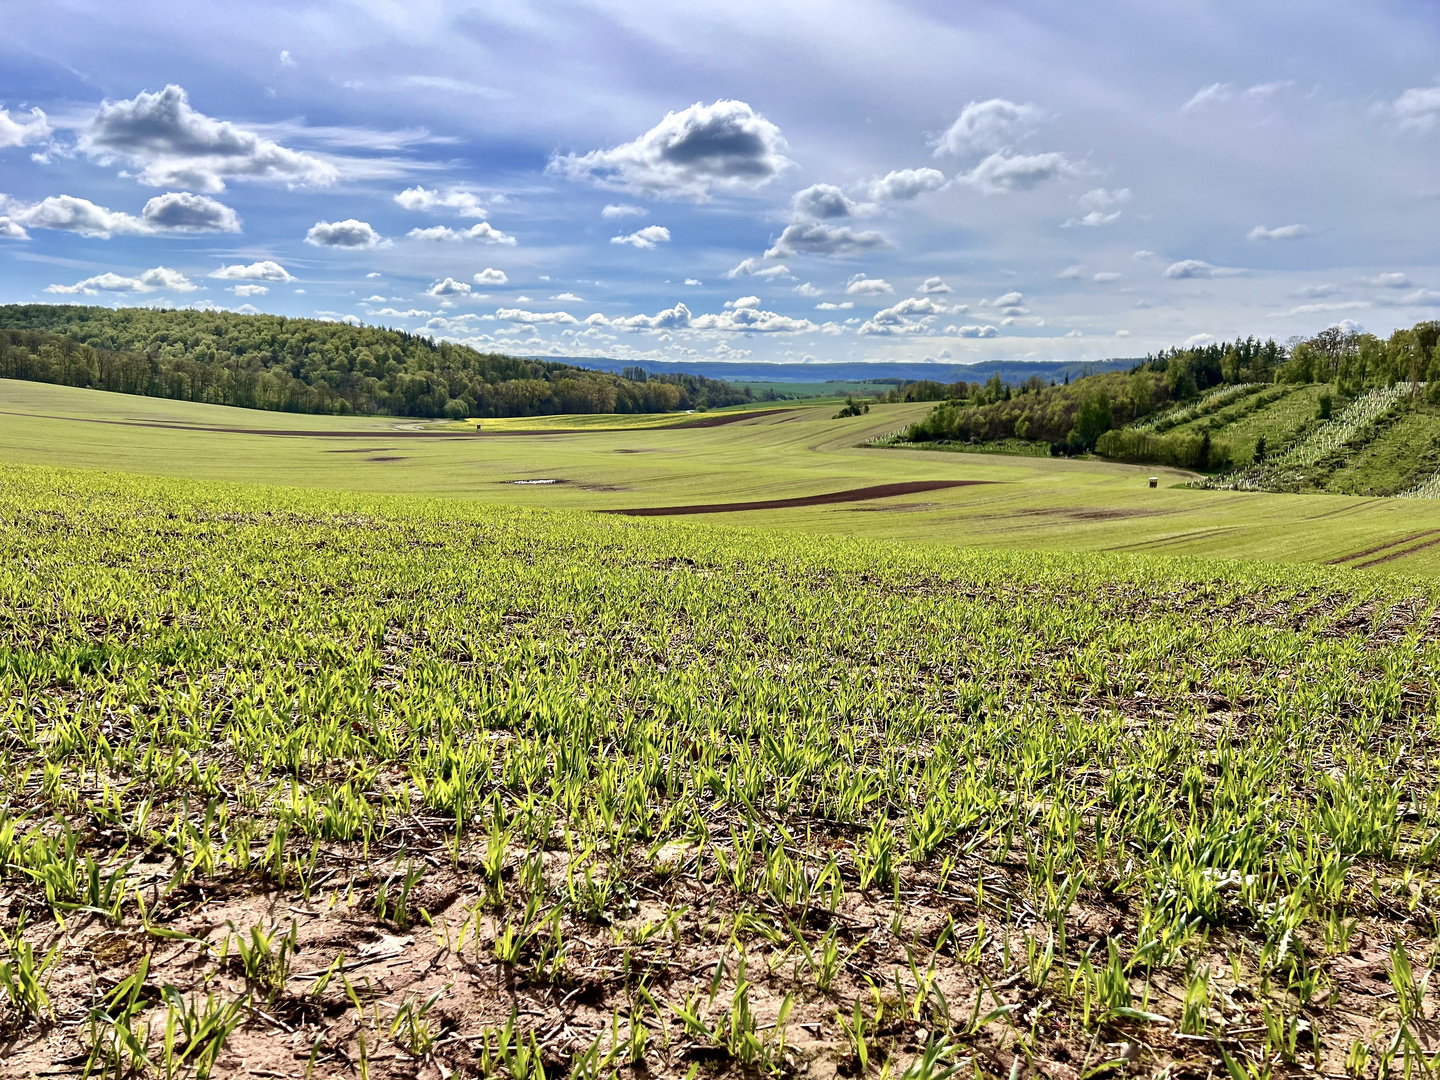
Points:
[(1183, 451)]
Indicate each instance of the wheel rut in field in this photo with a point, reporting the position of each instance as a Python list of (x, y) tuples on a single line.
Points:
[(1386, 547), (1392, 556), (860, 494)]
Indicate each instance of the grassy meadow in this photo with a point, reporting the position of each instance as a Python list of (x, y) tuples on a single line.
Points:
[(788, 450), (301, 783)]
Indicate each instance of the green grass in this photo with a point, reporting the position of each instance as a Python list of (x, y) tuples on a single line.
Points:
[(1281, 423), (410, 776), (1038, 502), (1402, 454)]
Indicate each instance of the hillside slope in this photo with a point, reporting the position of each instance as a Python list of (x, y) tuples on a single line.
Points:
[(306, 365), (1340, 412)]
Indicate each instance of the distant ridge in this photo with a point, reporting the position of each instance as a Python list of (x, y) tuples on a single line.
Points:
[(1011, 371)]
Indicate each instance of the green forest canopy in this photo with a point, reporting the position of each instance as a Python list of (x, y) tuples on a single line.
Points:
[(311, 366)]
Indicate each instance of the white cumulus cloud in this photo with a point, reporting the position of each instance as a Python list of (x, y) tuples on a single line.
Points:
[(535, 318), (1011, 303), (174, 145), (66, 213), (910, 316), (1099, 202), (1418, 108), (823, 201), (1282, 232), (173, 212), (1197, 268), (249, 290), (987, 125), (1001, 174), (459, 201), (687, 154), (161, 277), (491, 276), (621, 210), (18, 130), (647, 237), (816, 238), (481, 230), (860, 285), (448, 288), (752, 321), (753, 267), (900, 185), (349, 233), (1392, 280), (180, 211), (985, 331), (266, 270), (934, 285), (675, 318)]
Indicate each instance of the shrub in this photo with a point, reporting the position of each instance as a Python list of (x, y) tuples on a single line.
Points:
[(1183, 451)]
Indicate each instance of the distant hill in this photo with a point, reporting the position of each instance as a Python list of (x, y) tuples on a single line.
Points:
[(1341, 412), (306, 365), (1013, 372)]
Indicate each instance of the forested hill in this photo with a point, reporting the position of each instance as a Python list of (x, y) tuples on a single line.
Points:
[(1340, 412), (306, 365)]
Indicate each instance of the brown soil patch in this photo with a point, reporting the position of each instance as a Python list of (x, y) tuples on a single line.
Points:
[(860, 494), (732, 418), (1076, 513)]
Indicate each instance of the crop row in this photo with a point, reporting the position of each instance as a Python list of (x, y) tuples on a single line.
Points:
[(1211, 402), (1354, 421), (693, 795)]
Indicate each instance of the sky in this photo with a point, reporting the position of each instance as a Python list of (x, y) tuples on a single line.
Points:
[(759, 181)]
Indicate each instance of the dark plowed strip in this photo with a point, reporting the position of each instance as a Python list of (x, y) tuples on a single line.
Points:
[(1398, 554), (877, 491), (730, 418), (1380, 547)]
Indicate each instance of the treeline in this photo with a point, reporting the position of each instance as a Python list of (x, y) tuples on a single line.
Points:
[(1070, 416), (1073, 417), (1180, 449), (1354, 362), (310, 366)]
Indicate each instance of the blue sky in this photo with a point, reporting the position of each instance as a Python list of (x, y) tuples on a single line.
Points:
[(747, 180)]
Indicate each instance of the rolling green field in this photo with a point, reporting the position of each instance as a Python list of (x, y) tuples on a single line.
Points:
[(791, 451), (301, 783)]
